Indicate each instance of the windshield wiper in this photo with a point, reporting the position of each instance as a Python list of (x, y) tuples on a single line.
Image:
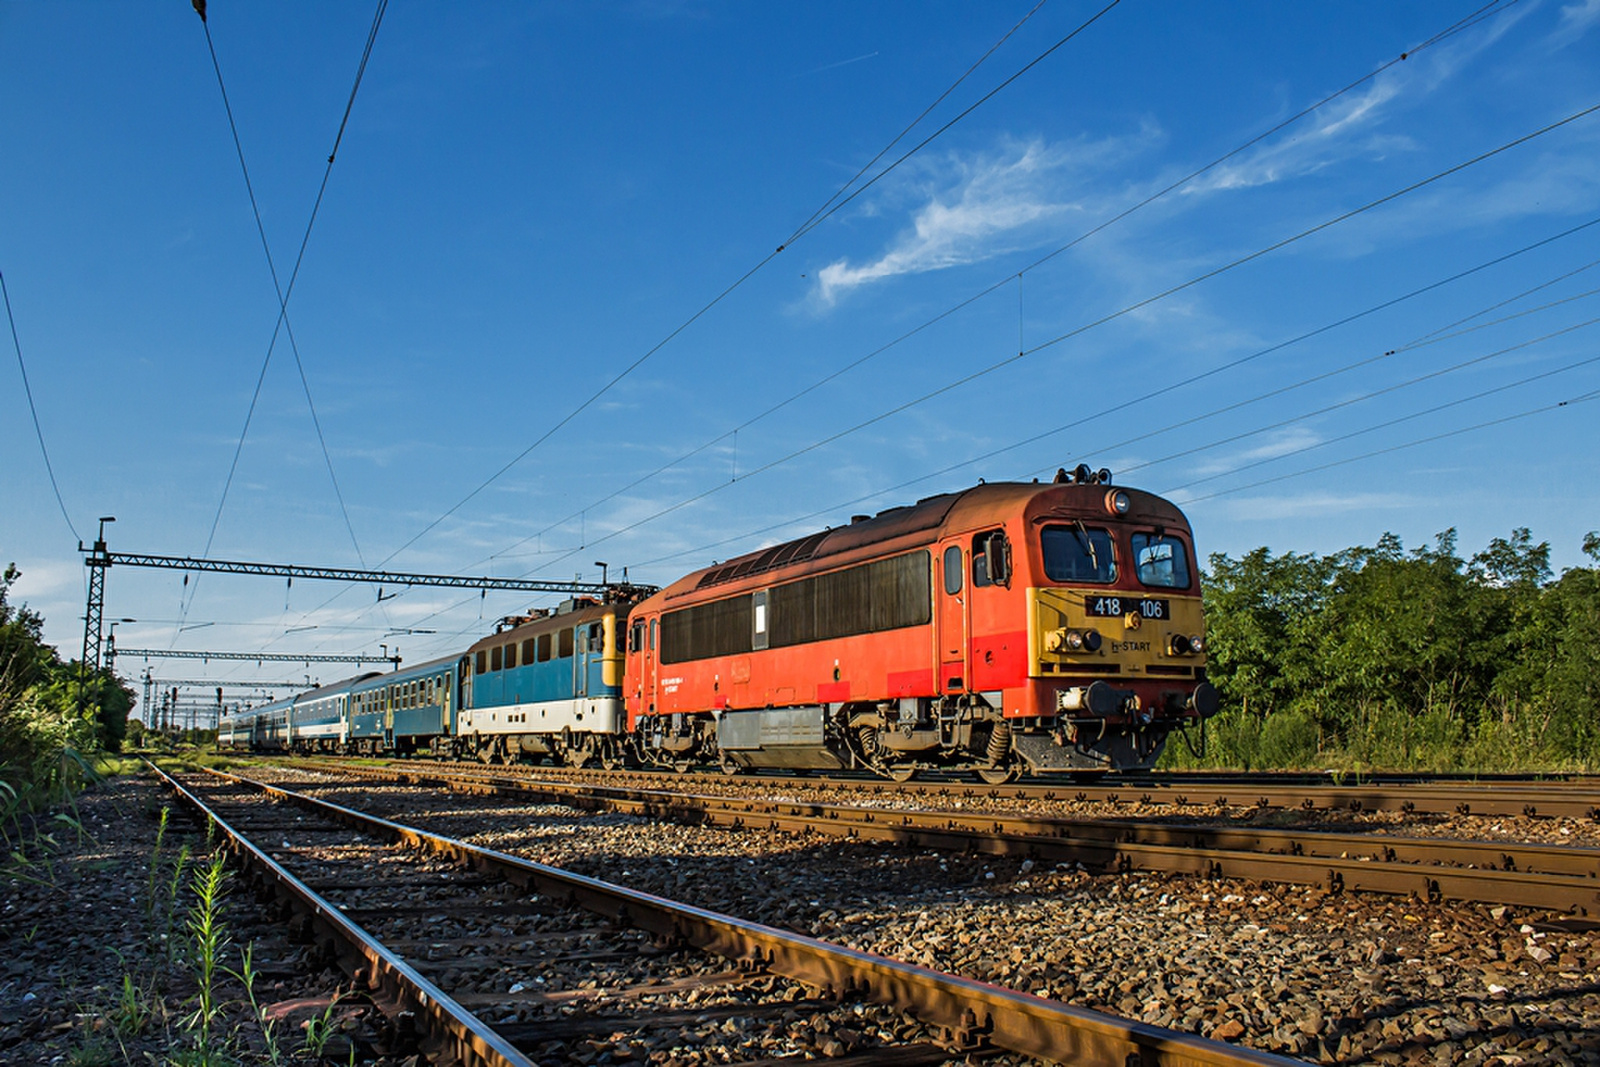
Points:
[(1088, 544)]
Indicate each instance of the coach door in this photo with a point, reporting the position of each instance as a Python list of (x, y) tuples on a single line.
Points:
[(953, 621), (587, 660), (392, 695)]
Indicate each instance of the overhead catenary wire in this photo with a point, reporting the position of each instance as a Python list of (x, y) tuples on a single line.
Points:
[(283, 292), (1473, 19), (1431, 439), (1101, 321), (1485, 8), (828, 205), (831, 207), (1371, 395), (878, 494), (1478, 15), (38, 429), (1432, 336), (1321, 377)]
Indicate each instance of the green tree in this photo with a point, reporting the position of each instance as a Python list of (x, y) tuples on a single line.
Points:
[(42, 717), (1382, 657)]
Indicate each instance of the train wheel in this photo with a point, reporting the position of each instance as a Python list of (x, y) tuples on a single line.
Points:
[(998, 775), (903, 772), (729, 767)]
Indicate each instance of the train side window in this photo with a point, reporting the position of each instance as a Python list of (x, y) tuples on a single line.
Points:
[(528, 654), (597, 639), (759, 637), (991, 559), (636, 637), (544, 648), (496, 658), (952, 570), (652, 634), (483, 663), (564, 641), (511, 655)]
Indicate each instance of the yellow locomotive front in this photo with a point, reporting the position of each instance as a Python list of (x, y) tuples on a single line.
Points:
[(1116, 638)]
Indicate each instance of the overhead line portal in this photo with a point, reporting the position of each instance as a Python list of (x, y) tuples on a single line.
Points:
[(99, 558)]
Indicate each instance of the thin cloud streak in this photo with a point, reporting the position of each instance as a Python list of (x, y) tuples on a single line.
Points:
[(984, 212)]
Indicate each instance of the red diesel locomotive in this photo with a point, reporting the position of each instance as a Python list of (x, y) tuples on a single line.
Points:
[(1006, 629)]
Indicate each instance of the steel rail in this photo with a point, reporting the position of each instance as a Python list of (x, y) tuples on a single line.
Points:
[(1565, 879), (970, 1011), (454, 1033), (1578, 798)]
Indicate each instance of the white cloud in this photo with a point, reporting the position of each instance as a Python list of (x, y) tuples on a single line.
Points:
[(1327, 142), (1282, 443), (988, 207), (1344, 128), (1576, 20)]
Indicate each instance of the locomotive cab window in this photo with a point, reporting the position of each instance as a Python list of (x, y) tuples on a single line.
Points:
[(991, 559), (636, 637), (597, 639), (1160, 560), (1078, 553)]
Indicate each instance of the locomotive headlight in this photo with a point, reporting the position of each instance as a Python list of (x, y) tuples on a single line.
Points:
[(1118, 502), (1069, 641), (1197, 644), (1181, 645)]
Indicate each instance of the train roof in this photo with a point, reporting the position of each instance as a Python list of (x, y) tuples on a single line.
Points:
[(377, 680), (907, 526), (574, 612)]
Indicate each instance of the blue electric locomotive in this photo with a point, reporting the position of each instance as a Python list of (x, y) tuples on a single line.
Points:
[(546, 685)]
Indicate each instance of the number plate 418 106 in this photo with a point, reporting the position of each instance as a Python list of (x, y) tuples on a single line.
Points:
[(1111, 607)]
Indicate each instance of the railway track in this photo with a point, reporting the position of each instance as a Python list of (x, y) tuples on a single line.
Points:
[(1504, 795), (562, 960), (1555, 878)]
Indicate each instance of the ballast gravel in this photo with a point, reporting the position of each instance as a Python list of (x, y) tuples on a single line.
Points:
[(1337, 979)]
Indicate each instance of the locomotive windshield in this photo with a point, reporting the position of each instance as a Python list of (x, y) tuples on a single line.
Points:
[(1078, 553), (1160, 561)]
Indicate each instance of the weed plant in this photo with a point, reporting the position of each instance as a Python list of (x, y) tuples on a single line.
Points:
[(208, 937)]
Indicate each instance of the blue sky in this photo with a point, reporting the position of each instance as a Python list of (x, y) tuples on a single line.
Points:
[(1319, 337)]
